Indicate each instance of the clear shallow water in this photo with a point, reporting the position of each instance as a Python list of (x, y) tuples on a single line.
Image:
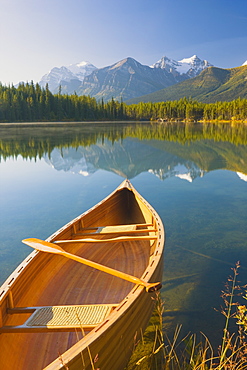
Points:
[(195, 181)]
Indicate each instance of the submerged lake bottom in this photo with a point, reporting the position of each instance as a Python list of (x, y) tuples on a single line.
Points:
[(196, 181)]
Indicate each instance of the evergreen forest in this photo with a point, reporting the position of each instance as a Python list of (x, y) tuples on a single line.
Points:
[(30, 102)]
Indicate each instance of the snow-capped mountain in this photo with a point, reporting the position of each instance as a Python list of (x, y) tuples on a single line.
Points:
[(188, 66), (81, 70), (64, 75), (170, 65), (55, 77), (245, 63)]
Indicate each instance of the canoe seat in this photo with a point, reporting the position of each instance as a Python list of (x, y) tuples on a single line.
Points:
[(60, 318), (115, 229)]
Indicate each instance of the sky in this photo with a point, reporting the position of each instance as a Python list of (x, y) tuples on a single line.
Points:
[(37, 35)]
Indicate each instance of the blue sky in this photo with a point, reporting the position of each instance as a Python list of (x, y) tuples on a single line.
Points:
[(37, 35)]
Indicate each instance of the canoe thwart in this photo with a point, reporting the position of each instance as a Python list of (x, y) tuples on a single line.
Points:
[(110, 240), (60, 318)]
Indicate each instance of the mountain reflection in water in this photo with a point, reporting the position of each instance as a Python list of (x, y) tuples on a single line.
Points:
[(185, 151), (127, 159)]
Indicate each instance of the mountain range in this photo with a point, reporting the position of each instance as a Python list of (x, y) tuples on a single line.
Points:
[(124, 80), (211, 85), (166, 79)]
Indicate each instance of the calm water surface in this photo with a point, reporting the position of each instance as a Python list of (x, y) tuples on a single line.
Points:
[(195, 177)]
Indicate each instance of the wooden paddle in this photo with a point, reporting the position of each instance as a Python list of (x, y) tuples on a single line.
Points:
[(44, 246)]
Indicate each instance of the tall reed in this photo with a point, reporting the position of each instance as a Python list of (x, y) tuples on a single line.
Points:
[(191, 352)]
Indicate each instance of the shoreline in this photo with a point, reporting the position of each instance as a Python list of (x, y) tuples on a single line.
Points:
[(61, 124), (77, 123)]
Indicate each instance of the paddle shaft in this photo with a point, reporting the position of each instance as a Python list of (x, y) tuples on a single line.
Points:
[(48, 247), (106, 269)]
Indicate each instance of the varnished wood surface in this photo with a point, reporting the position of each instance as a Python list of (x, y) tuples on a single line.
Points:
[(53, 280)]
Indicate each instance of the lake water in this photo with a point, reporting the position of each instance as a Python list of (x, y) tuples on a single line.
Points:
[(194, 176)]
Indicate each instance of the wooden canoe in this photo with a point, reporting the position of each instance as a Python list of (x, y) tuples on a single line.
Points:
[(56, 313)]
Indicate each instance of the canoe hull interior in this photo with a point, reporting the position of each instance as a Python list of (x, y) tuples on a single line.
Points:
[(50, 280)]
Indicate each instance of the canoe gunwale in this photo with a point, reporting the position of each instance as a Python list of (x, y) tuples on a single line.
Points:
[(11, 281)]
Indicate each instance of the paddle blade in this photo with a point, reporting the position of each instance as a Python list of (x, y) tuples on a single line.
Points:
[(43, 246)]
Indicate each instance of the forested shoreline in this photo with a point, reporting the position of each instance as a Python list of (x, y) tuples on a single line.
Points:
[(30, 102)]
